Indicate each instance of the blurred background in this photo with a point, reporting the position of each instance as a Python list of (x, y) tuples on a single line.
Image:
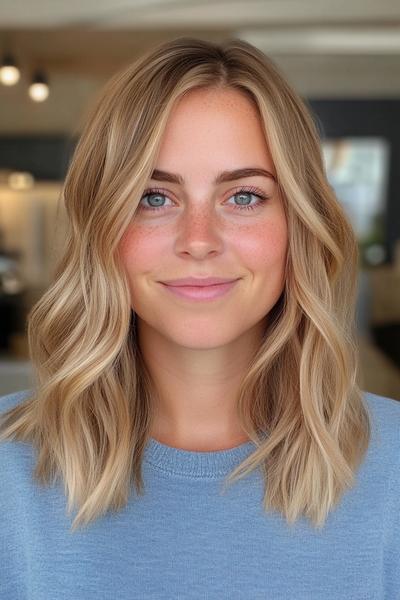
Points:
[(342, 57)]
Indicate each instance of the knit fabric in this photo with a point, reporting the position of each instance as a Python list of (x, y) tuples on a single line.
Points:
[(187, 539)]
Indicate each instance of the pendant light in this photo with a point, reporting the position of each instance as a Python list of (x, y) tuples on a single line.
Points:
[(9, 72), (39, 88)]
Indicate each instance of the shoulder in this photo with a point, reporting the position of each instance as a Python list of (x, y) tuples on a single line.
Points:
[(12, 450), (8, 401), (383, 404), (385, 413), (17, 460), (384, 449)]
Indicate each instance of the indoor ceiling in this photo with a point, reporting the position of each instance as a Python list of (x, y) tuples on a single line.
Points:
[(325, 48)]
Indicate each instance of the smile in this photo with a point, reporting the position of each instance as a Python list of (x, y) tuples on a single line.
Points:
[(201, 293)]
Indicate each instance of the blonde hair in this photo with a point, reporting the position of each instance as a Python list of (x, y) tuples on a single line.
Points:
[(90, 413)]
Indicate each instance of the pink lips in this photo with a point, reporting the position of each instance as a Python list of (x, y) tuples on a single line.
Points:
[(200, 292), (191, 281)]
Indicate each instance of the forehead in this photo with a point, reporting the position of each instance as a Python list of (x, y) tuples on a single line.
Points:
[(212, 106), (217, 129)]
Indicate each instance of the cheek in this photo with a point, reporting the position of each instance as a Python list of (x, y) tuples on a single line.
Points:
[(139, 246), (262, 245)]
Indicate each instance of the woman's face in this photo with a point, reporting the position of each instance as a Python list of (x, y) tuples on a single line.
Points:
[(204, 229)]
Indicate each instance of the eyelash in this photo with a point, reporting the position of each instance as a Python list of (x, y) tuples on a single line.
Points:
[(251, 190)]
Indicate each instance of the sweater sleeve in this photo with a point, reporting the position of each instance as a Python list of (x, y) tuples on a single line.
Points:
[(392, 553)]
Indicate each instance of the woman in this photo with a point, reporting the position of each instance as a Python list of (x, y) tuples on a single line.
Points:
[(211, 435)]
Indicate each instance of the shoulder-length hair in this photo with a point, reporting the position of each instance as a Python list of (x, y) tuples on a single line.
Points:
[(90, 411)]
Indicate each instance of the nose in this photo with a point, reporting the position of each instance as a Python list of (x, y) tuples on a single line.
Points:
[(199, 231)]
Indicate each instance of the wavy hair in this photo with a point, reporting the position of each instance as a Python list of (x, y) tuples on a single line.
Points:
[(90, 411)]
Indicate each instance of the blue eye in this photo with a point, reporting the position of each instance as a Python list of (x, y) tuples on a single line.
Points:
[(261, 198)]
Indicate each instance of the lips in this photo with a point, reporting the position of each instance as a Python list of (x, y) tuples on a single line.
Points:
[(198, 281), (201, 293)]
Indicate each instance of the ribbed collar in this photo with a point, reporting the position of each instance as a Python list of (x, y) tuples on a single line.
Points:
[(195, 464)]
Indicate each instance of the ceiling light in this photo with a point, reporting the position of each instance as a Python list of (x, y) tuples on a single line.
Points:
[(9, 72), (39, 88)]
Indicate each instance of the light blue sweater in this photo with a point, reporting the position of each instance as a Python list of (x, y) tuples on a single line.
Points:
[(184, 540)]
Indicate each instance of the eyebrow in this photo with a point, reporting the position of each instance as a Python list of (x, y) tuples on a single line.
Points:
[(222, 177)]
